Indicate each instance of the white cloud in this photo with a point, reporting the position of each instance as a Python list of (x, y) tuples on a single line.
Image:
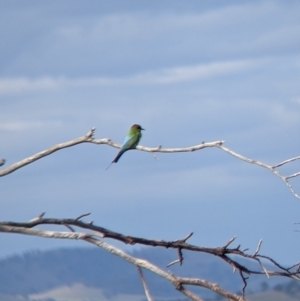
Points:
[(198, 72), (285, 114), (144, 25), (158, 77), (24, 125), (21, 85), (229, 29)]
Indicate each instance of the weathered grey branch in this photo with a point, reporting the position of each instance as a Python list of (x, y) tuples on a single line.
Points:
[(139, 263), (146, 288), (287, 161), (268, 167), (181, 244), (95, 233), (47, 152), (88, 138)]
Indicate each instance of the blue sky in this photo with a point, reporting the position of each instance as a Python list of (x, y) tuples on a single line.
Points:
[(187, 72)]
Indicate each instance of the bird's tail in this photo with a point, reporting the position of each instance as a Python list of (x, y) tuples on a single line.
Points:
[(108, 166), (116, 159)]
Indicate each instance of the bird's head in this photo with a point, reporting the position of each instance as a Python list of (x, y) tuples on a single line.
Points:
[(137, 127)]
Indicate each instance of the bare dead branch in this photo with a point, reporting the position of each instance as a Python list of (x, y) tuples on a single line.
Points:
[(223, 252), (296, 174), (173, 262), (264, 269), (180, 255), (42, 214), (244, 281), (187, 237), (88, 138), (211, 286), (189, 294), (294, 266), (175, 280), (90, 133), (155, 158), (258, 247), (179, 260), (38, 218), (286, 161), (146, 289), (268, 167), (98, 232), (47, 152), (70, 228), (81, 216), (230, 241), (42, 233)]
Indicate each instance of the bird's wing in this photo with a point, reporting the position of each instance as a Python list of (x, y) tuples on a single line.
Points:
[(130, 142)]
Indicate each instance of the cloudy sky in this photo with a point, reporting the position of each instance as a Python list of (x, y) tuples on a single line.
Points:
[(187, 71)]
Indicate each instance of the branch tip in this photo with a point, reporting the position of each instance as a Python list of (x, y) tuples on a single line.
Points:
[(229, 242), (173, 262), (146, 288), (37, 218), (188, 236), (81, 216), (91, 132), (258, 248), (69, 227)]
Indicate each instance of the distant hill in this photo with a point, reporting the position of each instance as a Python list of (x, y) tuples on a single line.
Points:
[(272, 296), (34, 273)]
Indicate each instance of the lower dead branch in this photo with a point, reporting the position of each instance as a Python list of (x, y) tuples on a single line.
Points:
[(98, 233)]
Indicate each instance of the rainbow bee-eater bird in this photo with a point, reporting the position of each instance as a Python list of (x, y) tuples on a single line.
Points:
[(131, 141)]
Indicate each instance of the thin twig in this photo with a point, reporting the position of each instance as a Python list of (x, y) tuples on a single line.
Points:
[(258, 247), (146, 289), (286, 161), (81, 216)]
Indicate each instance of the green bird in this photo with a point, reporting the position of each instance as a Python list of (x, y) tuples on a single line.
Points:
[(131, 141)]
